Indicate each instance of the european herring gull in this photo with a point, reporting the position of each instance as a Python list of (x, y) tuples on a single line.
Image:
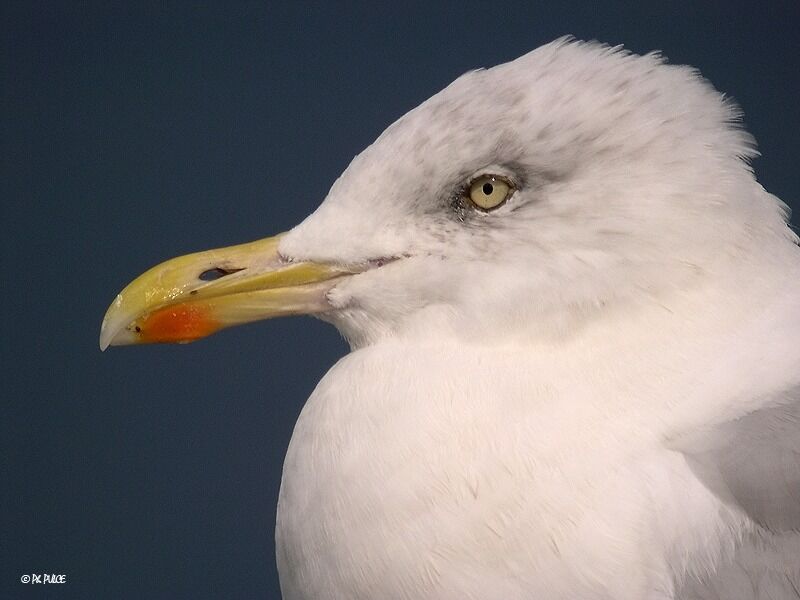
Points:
[(575, 326)]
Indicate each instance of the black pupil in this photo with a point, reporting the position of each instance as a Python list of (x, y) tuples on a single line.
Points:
[(488, 188)]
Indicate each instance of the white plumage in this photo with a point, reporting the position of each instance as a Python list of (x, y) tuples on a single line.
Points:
[(591, 392)]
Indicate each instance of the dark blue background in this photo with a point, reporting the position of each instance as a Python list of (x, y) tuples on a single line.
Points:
[(130, 135)]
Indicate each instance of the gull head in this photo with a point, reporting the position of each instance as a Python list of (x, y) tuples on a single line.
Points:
[(526, 197)]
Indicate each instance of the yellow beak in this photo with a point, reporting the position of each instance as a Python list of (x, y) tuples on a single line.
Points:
[(192, 296)]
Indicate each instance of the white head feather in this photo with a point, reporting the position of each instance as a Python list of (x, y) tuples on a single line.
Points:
[(633, 184)]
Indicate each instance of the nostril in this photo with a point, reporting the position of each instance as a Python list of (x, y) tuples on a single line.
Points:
[(216, 273)]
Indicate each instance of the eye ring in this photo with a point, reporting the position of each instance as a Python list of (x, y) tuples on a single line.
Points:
[(489, 192)]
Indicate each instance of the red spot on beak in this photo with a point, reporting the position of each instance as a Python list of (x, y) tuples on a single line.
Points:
[(179, 323)]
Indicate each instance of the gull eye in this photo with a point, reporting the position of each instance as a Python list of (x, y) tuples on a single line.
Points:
[(488, 192)]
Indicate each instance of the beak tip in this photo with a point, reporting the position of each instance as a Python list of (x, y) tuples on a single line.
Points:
[(110, 332), (105, 338)]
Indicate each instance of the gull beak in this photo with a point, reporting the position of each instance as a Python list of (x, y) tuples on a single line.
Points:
[(193, 296)]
